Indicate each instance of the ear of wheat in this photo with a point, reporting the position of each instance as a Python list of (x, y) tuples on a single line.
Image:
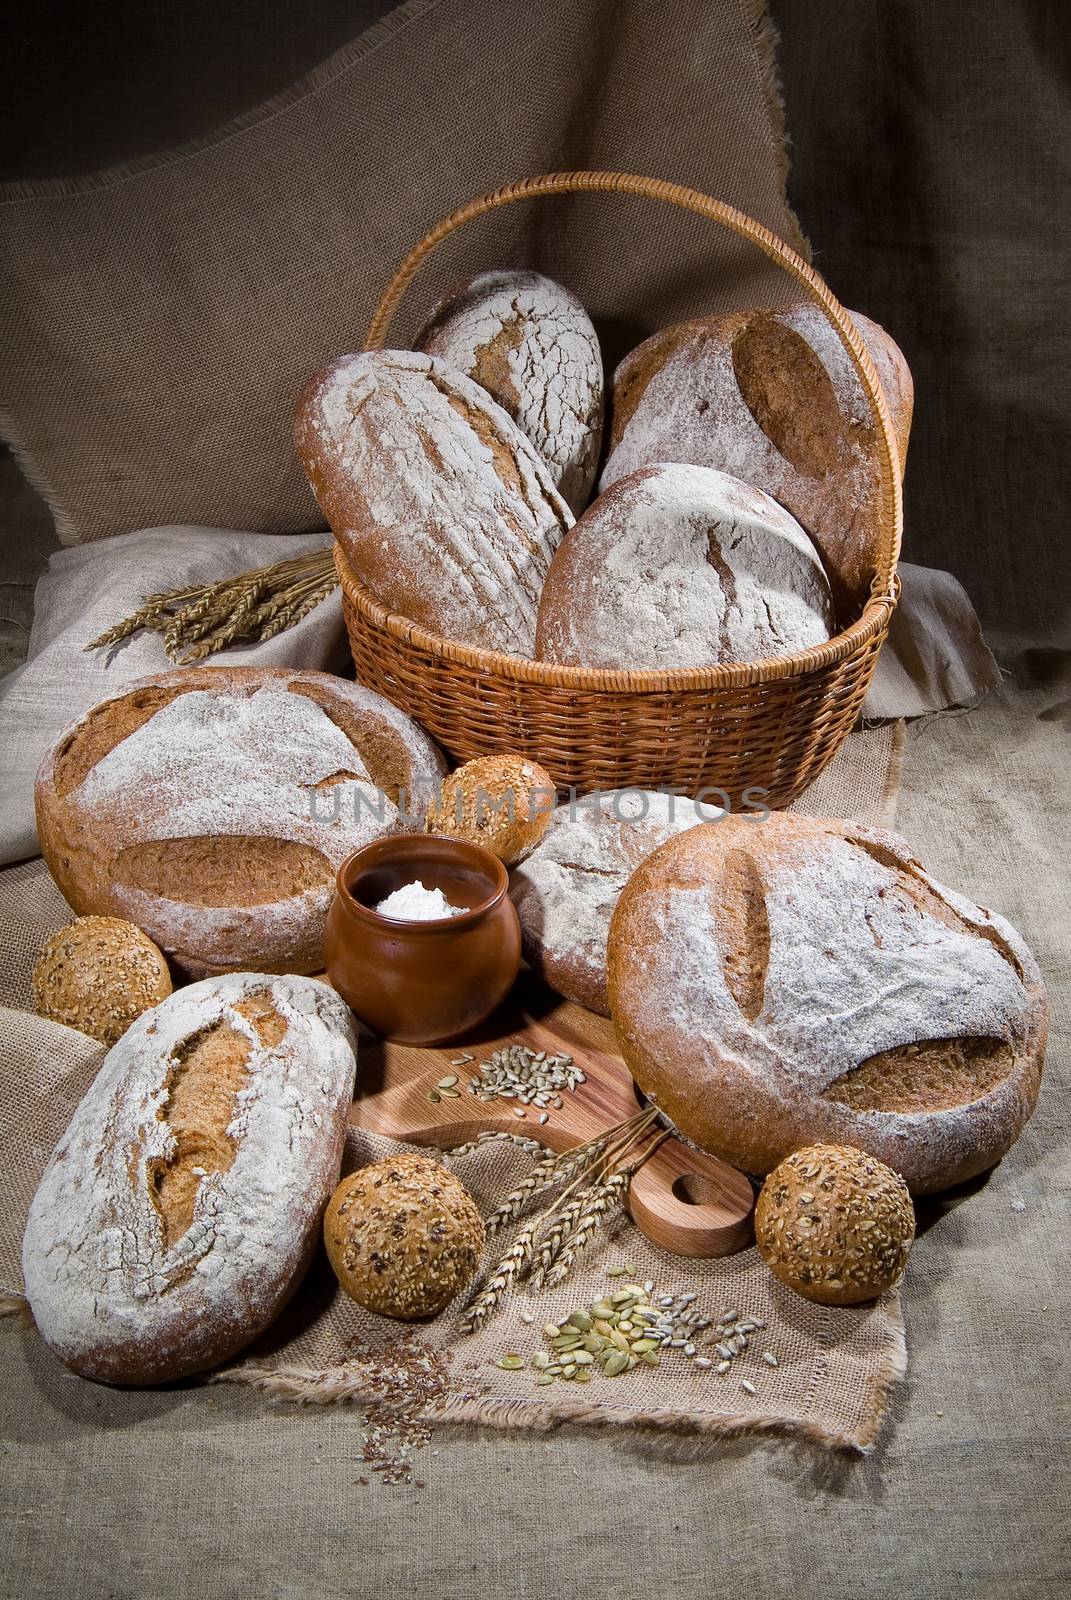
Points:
[(198, 621), (569, 1222)]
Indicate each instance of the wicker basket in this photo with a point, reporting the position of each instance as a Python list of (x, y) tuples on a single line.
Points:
[(766, 726)]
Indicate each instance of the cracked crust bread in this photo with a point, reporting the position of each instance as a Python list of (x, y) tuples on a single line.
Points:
[(446, 512), (773, 399), (531, 345), (566, 889), (183, 1204), (682, 566), (802, 981), (212, 806)]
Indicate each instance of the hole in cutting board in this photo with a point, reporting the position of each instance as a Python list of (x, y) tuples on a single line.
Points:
[(692, 1190)]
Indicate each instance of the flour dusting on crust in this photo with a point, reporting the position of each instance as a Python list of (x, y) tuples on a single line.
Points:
[(107, 1291), (532, 346), (866, 954), (683, 566), (445, 509), (566, 890)]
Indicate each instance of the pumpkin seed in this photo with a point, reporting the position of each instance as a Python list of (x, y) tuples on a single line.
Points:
[(511, 1362), (580, 1319), (616, 1362), (433, 1096), (447, 1082)]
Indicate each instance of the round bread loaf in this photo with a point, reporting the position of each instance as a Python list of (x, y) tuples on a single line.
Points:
[(97, 975), (403, 1236), (800, 981), (213, 805), (835, 1224), (531, 345), (502, 802), (774, 399), (681, 566), (566, 891), (182, 1205), (446, 511)]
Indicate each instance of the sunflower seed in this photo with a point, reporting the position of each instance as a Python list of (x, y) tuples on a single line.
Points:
[(703, 1362), (769, 1358), (749, 1388)]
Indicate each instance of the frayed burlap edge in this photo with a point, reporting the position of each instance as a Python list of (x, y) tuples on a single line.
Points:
[(767, 42), (307, 1386)]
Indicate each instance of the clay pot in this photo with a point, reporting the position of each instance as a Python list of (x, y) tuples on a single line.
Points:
[(422, 982)]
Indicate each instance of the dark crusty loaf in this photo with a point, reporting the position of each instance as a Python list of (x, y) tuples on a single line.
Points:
[(183, 1203), (771, 398), (565, 891), (682, 566), (531, 345), (213, 805), (444, 508), (799, 981)]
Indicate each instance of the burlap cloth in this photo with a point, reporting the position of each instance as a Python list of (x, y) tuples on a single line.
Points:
[(159, 318), (835, 1366)]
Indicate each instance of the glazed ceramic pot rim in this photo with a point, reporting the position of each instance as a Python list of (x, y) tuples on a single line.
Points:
[(387, 849)]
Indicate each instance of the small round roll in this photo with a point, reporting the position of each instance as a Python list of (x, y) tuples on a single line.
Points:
[(503, 802)]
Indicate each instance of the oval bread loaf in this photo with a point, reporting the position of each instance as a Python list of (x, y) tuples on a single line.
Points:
[(446, 511), (566, 890), (800, 981), (681, 566), (183, 1203), (771, 398), (213, 806), (531, 345)]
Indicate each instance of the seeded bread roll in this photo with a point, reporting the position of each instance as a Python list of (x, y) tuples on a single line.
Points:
[(502, 802), (566, 890), (531, 345), (679, 566), (799, 981), (213, 805), (446, 511), (774, 399), (97, 975), (183, 1204), (403, 1236), (835, 1225)]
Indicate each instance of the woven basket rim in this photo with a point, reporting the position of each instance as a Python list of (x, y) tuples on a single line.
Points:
[(873, 620)]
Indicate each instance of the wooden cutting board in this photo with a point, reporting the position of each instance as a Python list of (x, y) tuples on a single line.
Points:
[(683, 1201)]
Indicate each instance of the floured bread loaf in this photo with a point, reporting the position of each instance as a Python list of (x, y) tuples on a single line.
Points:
[(773, 399), (213, 805), (799, 981), (531, 345), (681, 566), (183, 1204), (446, 511), (566, 890)]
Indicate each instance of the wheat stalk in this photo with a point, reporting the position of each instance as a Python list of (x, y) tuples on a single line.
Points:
[(552, 1170), (517, 1262), (198, 621), (516, 1257), (604, 1197)]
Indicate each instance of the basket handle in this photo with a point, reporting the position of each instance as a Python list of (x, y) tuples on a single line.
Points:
[(737, 222)]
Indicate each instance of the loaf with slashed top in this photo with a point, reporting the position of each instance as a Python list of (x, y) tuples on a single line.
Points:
[(772, 398), (444, 509), (213, 806), (183, 1204), (802, 981)]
